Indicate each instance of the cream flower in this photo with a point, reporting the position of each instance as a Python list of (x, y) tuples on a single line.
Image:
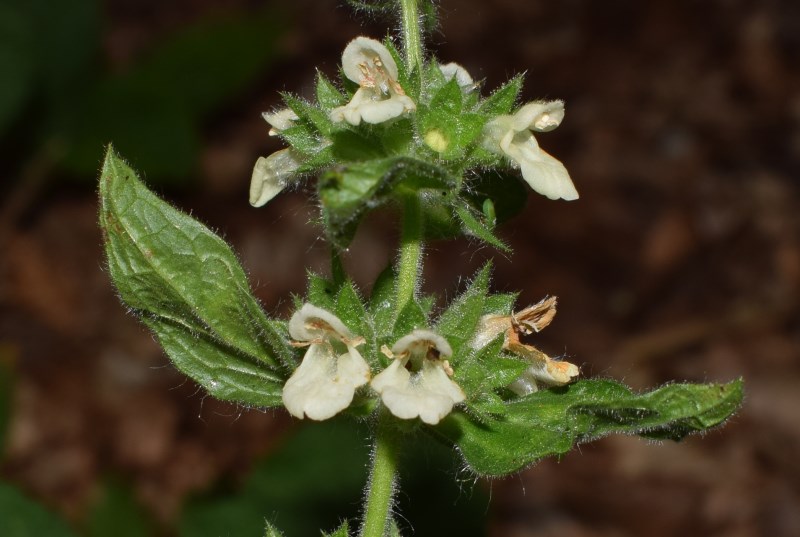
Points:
[(280, 120), (417, 383), (512, 136), (453, 70), (270, 175), (543, 369), (379, 97), (331, 370)]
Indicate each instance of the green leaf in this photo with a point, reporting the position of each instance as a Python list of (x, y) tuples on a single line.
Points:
[(342, 531), (473, 225), (272, 531), (487, 369), (458, 322), (224, 372), (310, 114), (350, 309), (506, 192), (22, 517), (410, 318), (381, 300), (321, 292), (328, 95), (503, 99), (552, 421), (347, 193), (186, 284)]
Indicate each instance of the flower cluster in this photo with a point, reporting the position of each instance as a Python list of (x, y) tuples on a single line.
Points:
[(380, 99), (418, 382)]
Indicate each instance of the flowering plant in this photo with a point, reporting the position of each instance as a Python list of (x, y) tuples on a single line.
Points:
[(404, 130)]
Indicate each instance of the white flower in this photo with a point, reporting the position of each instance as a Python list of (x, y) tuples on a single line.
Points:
[(417, 383), (280, 120), (331, 370), (270, 175), (512, 136), (453, 70), (379, 97), (543, 369)]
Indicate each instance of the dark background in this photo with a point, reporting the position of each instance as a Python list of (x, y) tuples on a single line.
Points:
[(681, 260)]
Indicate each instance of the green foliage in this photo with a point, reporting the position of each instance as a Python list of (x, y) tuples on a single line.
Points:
[(55, 91), (272, 531), (550, 422), (313, 480), (185, 283), (117, 513), (503, 99), (7, 378), (348, 192), (22, 517), (342, 531)]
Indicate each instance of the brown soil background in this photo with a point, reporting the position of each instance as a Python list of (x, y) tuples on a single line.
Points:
[(681, 261)]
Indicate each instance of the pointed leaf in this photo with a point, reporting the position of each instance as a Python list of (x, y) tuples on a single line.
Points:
[(186, 284), (271, 531), (473, 225), (342, 531), (503, 99), (458, 322), (328, 95), (551, 422)]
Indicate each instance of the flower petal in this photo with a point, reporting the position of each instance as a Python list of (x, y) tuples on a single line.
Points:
[(364, 50), (429, 394), (280, 120), (548, 176), (270, 175), (421, 341), (311, 323), (323, 385), (540, 116), (463, 79)]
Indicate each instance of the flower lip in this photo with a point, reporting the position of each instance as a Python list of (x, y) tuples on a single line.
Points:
[(280, 120), (325, 381), (512, 136), (311, 323), (463, 79), (379, 97), (541, 116), (270, 175), (417, 383), (364, 59), (423, 341)]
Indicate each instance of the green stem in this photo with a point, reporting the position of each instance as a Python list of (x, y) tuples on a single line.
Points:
[(410, 262), (381, 481), (411, 36)]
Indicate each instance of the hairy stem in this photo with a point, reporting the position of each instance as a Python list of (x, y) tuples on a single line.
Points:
[(411, 34), (410, 261), (381, 482)]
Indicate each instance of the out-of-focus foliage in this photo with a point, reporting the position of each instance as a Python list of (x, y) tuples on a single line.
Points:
[(316, 478), (117, 513), (55, 87), (21, 517)]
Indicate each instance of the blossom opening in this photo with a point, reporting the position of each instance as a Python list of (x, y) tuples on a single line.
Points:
[(331, 370)]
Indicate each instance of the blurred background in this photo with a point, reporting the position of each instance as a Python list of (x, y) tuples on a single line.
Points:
[(681, 261)]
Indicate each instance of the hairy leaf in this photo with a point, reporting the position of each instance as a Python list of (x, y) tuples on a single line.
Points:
[(188, 287), (552, 421)]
